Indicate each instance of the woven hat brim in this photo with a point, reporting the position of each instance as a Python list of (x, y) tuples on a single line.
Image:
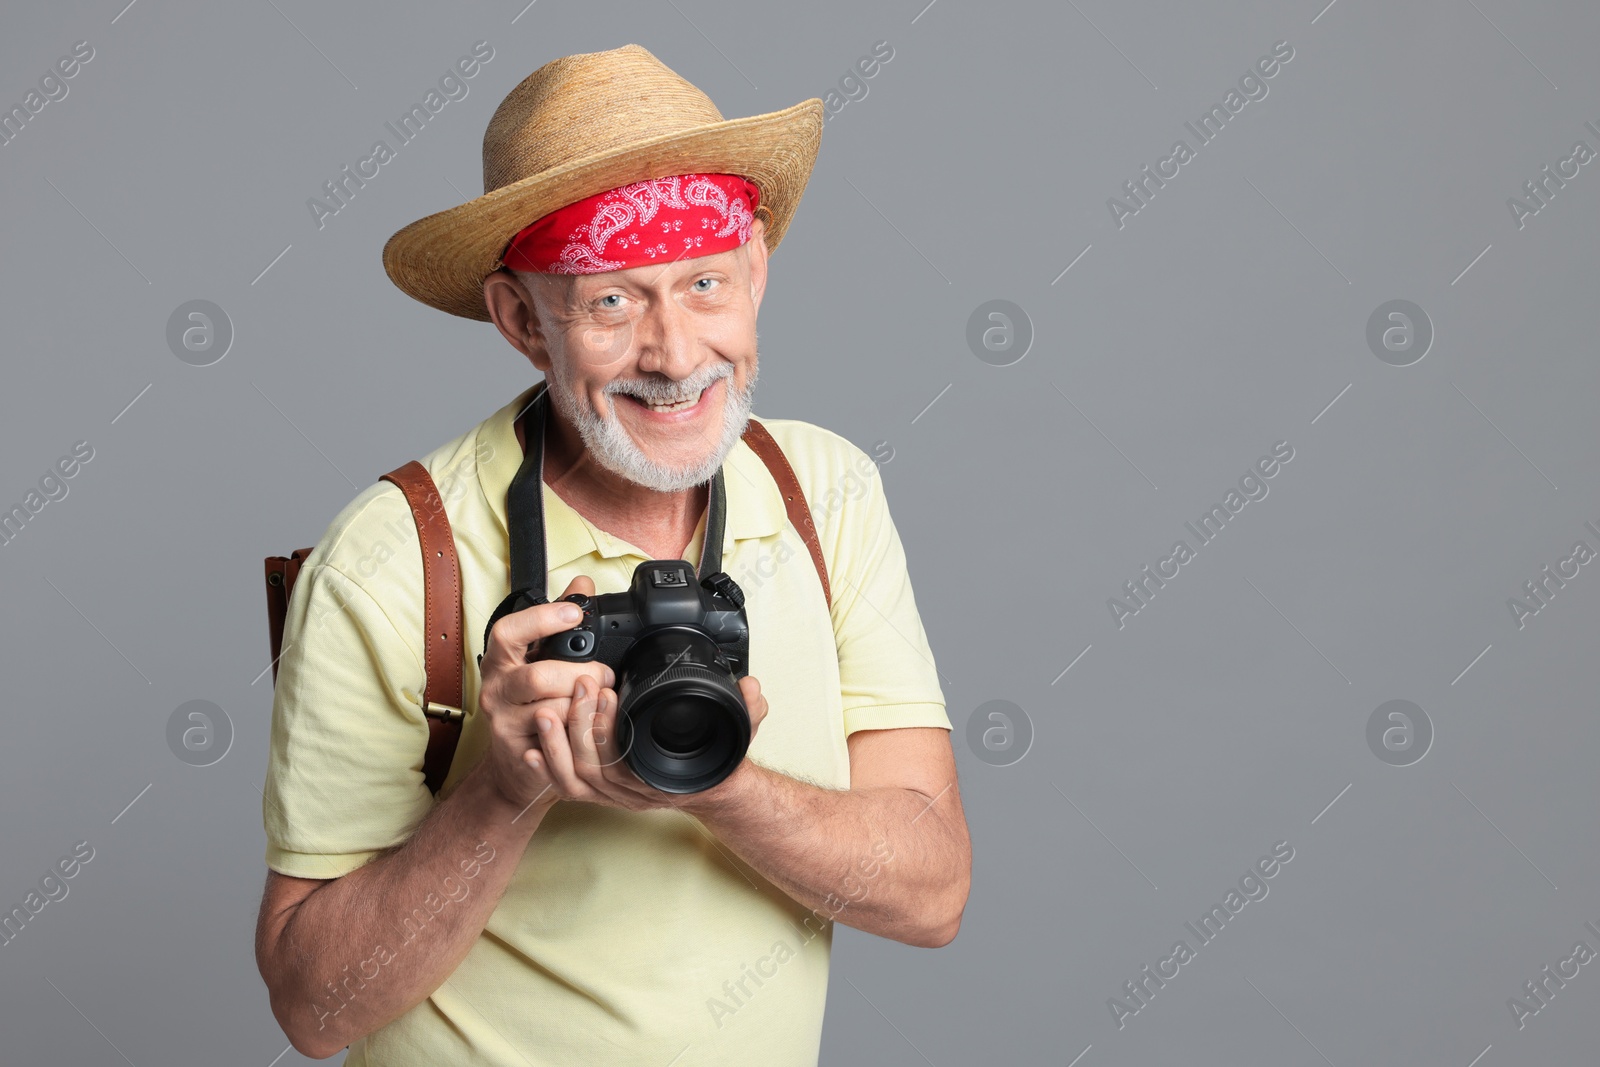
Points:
[(443, 258)]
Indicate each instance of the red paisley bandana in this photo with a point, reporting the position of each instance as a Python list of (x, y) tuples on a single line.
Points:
[(654, 221)]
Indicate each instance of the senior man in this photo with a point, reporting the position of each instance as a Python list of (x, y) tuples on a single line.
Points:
[(548, 907)]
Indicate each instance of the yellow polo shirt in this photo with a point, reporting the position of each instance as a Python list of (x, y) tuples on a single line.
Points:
[(623, 938)]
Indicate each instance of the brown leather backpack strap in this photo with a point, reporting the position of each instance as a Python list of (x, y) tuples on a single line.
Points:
[(443, 694), (281, 574), (794, 498)]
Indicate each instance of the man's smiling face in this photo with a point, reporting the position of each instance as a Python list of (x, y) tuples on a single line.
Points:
[(654, 365)]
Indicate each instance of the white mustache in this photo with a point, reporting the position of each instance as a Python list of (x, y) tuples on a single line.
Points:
[(674, 393)]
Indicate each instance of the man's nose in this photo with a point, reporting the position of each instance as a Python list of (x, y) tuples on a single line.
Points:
[(667, 340)]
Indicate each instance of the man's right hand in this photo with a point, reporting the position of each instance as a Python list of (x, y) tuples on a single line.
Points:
[(516, 694)]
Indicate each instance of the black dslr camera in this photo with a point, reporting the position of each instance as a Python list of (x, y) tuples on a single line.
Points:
[(678, 647)]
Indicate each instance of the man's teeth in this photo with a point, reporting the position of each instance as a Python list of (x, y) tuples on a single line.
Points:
[(655, 405)]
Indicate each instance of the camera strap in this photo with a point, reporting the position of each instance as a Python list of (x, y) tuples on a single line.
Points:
[(525, 520)]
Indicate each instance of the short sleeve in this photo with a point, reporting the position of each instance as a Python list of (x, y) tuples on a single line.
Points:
[(887, 674), (344, 772)]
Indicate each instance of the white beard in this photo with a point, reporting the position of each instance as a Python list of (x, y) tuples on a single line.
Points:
[(612, 446)]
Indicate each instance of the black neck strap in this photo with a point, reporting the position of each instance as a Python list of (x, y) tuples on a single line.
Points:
[(525, 511)]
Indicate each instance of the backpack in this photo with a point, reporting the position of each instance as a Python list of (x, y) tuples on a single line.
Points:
[(443, 690)]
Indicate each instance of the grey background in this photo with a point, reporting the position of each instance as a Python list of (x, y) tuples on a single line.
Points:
[(1222, 318)]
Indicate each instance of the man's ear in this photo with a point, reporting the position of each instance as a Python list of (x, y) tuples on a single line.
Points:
[(511, 309), (757, 251)]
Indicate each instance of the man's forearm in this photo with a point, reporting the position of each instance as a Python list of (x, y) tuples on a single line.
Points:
[(886, 860), (363, 949)]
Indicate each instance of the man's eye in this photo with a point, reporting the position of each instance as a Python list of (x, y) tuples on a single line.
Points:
[(611, 296), (704, 285)]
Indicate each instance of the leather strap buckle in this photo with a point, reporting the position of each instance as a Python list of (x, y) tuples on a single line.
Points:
[(442, 712)]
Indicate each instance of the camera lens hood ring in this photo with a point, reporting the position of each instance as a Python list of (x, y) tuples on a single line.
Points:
[(651, 677)]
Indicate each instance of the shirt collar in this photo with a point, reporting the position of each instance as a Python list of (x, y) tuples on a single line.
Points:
[(755, 505)]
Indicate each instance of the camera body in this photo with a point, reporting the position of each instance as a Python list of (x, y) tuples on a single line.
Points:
[(678, 646), (663, 593)]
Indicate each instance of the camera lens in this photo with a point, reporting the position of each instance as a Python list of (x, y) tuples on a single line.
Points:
[(681, 719), (682, 728)]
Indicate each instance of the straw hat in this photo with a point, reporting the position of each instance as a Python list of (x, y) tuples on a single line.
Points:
[(581, 125)]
